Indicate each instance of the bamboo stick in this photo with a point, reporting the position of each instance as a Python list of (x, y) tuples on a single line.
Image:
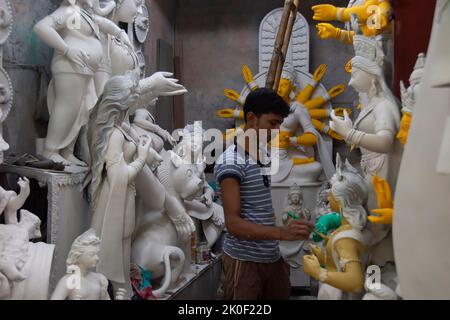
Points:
[(278, 45), (282, 44)]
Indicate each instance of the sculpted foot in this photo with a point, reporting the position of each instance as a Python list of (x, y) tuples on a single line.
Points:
[(74, 160)]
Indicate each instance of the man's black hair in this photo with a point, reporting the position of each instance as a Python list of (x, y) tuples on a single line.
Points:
[(262, 101)]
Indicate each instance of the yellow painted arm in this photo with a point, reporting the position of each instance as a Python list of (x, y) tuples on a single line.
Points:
[(384, 214), (320, 101), (248, 76), (302, 161), (304, 95), (404, 128), (326, 130), (307, 139), (328, 31), (351, 279), (233, 95), (325, 113), (230, 113)]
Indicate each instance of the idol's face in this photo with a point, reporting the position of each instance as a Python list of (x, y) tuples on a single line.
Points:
[(285, 88), (361, 80), (128, 10)]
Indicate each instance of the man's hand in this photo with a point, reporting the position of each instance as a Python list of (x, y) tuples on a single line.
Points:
[(297, 230)]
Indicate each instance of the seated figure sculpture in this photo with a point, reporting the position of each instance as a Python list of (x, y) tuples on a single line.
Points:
[(295, 209), (80, 282), (299, 142), (346, 248)]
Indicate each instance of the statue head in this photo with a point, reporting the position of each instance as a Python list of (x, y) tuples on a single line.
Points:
[(409, 95), (119, 98), (190, 148), (84, 251), (348, 193), (31, 223), (127, 10), (181, 179), (367, 68), (295, 197), (287, 82)]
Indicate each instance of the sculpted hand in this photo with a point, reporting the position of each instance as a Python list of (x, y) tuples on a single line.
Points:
[(123, 37), (207, 199), (320, 72), (340, 111), (248, 76), (336, 90), (24, 185), (324, 12), (282, 140), (311, 266), (233, 95), (405, 124), (167, 137), (11, 272), (384, 216), (77, 56), (154, 159), (326, 31), (185, 226), (341, 126), (144, 146), (384, 201), (164, 86), (316, 250)]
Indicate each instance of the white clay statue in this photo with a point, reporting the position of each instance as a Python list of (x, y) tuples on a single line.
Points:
[(81, 282)]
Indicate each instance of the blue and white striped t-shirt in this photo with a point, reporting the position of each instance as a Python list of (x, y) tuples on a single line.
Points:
[(256, 205)]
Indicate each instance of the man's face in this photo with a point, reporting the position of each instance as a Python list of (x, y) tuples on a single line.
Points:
[(265, 122)]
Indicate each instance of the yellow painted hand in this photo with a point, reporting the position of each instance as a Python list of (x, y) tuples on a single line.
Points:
[(383, 192), (320, 73), (317, 251), (248, 76), (229, 113), (327, 31), (233, 95), (384, 200), (325, 12), (340, 111), (302, 161), (305, 95), (311, 266), (282, 140), (336, 90), (334, 135), (385, 216), (306, 139), (319, 113), (404, 128), (348, 66)]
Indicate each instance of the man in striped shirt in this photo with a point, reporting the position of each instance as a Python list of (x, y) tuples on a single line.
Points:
[(252, 263)]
